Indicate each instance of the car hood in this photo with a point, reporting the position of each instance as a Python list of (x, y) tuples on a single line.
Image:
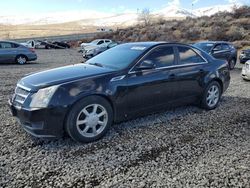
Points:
[(91, 47), (61, 75)]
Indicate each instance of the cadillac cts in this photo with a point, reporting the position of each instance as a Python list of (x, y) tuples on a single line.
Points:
[(130, 80)]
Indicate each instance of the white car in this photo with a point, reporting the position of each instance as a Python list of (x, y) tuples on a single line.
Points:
[(246, 71), (97, 42), (29, 44), (95, 47)]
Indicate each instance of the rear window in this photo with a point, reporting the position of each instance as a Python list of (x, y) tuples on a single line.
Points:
[(189, 56), (207, 47)]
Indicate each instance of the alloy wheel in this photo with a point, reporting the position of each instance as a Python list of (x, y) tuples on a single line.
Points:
[(21, 60), (92, 120), (213, 96)]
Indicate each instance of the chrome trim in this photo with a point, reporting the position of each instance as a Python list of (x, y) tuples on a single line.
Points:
[(23, 87), (21, 95), (172, 66), (117, 78)]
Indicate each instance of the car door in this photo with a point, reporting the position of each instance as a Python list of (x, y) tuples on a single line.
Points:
[(151, 89), (220, 51), (226, 49), (188, 74), (8, 52)]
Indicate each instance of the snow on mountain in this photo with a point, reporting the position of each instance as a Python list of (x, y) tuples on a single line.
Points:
[(208, 11), (174, 12), (107, 19)]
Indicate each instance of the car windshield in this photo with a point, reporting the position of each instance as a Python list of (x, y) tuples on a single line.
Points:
[(95, 41), (118, 57), (204, 46)]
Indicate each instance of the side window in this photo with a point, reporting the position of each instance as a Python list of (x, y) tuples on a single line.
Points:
[(107, 41), (100, 42), (6, 45), (217, 47), (162, 56), (187, 56), (225, 47), (14, 45)]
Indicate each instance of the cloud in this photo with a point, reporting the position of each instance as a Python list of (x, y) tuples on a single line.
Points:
[(239, 2), (175, 3), (195, 1)]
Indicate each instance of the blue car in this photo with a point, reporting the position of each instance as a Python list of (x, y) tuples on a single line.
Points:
[(11, 52)]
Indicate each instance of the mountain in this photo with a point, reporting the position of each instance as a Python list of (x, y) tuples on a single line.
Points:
[(100, 19)]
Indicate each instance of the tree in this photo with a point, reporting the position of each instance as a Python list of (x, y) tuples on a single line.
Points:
[(145, 16)]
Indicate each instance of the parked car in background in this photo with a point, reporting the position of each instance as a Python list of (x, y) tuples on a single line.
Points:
[(29, 44), (220, 50), (124, 82), (244, 55), (97, 42), (11, 52), (91, 51), (60, 45), (246, 71)]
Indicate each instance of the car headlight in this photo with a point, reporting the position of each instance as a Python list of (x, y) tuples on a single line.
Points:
[(42, 98)]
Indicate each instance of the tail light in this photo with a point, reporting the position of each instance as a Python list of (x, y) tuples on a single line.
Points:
[(32, 50)]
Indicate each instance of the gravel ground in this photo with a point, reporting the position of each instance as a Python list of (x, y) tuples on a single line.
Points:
[(185, 147)]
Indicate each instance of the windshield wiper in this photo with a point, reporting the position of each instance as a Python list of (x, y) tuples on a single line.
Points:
[(96, 64)]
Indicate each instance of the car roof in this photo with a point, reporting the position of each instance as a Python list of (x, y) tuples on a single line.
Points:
[(154, 43), (214, 42), (9, 41)]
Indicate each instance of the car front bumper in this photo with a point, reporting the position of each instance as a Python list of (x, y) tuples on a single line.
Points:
[(41, 123), (244, 59), (245, 74)]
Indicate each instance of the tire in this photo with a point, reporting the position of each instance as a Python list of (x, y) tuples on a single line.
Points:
[(21, 59), (232, 64), (215, 95), (89, 119)]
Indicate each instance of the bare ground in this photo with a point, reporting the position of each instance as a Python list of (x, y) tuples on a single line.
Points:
[(185, 147)]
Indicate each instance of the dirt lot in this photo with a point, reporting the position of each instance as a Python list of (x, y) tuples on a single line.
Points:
[(185, 147)]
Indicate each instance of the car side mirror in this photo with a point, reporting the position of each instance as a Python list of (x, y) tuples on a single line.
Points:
[(145, 65)]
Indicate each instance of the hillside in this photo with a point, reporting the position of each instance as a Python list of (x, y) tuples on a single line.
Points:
[(234, 26), (75, 22)]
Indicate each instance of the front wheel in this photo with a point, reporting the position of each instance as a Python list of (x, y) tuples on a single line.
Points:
[(89, 119), (211, 96)]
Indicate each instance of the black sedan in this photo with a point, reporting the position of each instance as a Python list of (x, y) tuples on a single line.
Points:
[(125, 82), (220, 50)]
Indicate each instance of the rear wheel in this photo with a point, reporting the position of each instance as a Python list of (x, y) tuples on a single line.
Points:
[(211, 96), (89, 119), (21, 59)]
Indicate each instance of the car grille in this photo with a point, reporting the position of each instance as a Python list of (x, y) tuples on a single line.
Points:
[(20, 96)]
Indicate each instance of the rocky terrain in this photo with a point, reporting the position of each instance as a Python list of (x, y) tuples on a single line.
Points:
[(185, 147)]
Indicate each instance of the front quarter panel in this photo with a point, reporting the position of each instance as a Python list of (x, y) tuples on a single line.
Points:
[(113, 91)]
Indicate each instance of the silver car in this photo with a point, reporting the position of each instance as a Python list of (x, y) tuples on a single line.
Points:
[(246, 71), (11, 52)]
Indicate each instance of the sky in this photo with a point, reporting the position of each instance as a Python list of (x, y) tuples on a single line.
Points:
[(19, 7)]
